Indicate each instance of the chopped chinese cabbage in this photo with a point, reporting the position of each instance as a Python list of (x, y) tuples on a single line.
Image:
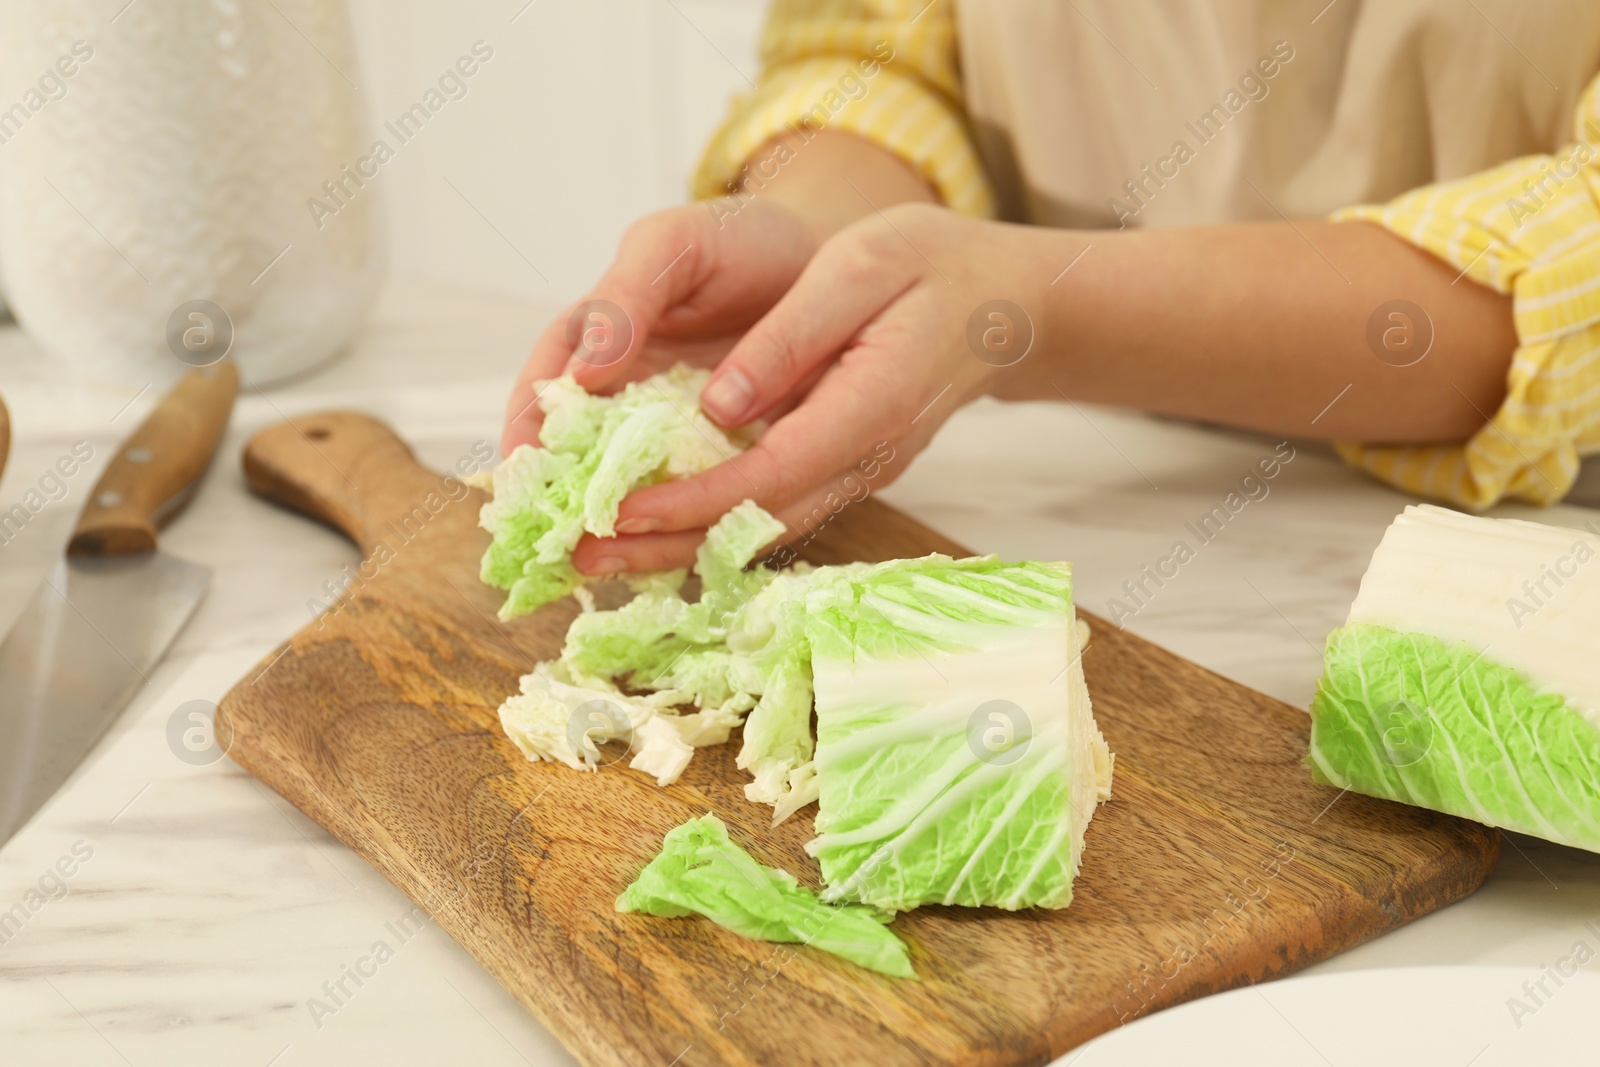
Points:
[(739, 649), (773, 661), (594, 451), (1464, 678), (957, 757), (557, 717), (660, 643), (700, 870), (721, 559)]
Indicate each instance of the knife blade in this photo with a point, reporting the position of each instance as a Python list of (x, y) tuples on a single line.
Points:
[(111, 607)]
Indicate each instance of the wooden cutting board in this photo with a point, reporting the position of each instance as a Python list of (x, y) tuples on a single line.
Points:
[(1217, 863)]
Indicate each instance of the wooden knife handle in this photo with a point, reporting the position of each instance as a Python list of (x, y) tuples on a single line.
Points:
[(345, 469), (155, 471)]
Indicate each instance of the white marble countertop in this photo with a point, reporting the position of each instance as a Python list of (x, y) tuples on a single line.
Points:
[(209, 911)]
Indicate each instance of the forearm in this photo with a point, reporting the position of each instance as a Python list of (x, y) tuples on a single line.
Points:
[(1262, 326), (833, 179)]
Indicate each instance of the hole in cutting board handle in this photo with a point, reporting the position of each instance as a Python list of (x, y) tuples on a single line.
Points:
[(319, 433)]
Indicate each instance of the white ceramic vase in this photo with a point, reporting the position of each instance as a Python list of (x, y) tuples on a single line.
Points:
[(158, 157)]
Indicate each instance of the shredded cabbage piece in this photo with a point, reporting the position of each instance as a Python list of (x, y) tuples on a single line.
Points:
[(701, 871), (738, 650), (675, 651), (565, 719), (594, 450)]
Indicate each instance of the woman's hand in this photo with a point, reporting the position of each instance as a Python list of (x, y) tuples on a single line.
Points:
[(893, 325), (689, 281)]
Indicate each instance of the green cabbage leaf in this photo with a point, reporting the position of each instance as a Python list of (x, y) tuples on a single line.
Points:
[(1416, 719), (701, 871)]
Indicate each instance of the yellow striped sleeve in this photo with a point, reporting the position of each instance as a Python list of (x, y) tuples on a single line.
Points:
[(884, 70), (1529, 228)]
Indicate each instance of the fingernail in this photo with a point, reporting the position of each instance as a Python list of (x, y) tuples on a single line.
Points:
[(728, 397), (638, 526), (573, 363), (608, 565)]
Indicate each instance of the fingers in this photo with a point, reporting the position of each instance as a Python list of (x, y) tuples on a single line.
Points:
[(659, 262), (599, 557), (695, 276), (599, 337), (843, 287), (854, 407)]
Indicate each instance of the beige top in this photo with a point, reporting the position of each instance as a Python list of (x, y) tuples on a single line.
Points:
[(1247, 108)]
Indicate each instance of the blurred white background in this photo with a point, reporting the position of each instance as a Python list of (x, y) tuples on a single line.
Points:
[(591, 113)]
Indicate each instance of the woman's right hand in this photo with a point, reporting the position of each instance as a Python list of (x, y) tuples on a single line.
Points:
[(689, 281)]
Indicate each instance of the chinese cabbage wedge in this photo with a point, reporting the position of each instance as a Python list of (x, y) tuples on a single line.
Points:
[(1465, 678), (957, 755)]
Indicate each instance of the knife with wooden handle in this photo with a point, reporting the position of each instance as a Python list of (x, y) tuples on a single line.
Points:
[(111, 607)]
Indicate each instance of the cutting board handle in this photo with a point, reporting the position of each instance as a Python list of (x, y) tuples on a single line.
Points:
[(347, 470)]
